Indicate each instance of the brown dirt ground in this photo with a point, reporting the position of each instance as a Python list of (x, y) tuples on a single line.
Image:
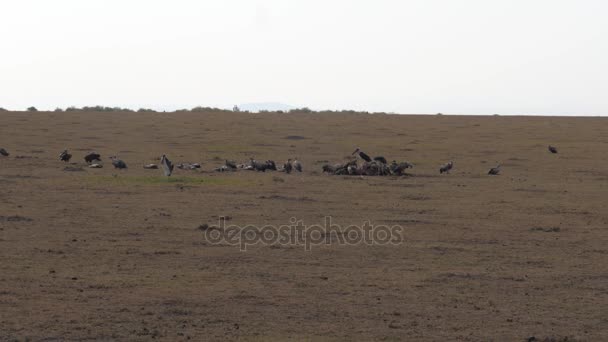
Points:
[(90, 255)]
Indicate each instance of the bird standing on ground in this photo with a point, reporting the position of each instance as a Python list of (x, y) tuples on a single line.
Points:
[(65, 156), (363, 155), (287, 167), (91, 157), (118, 164), (495, 170), (330, 168), (260, 166), (167, 165), (231, 164), (446, 168), (552, 149), (297, 165), (271, 165), (4, 152)]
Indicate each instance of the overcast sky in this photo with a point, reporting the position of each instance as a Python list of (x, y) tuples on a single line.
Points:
[(406, 56)]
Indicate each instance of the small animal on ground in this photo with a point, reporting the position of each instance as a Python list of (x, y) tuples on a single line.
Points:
[(167, 165), (494, 171), (65, 156), (287, 167), (91, 157), (297, 165), (446, 168), (118, 164)]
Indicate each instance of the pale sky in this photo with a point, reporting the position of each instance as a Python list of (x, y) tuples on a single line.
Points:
[(406, 56)]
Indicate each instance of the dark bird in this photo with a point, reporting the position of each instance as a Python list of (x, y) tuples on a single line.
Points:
[(297, 165), (287, 167), (494, 171), (381, 160), (362, 155), (369, 169), (337, 168), (353, 170), (260, 166), (271, 165), (552, 149), (231, 164), (330, 168), (65, 156), (118, 164), (167, 165), (399, 168), (446, 168), (4, 152), (91, 157)]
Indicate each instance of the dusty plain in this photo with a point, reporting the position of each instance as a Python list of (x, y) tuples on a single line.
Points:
[(99, 254)]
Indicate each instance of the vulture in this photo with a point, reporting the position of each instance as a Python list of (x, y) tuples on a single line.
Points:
[(231, 164), (271, 165), (65, 156), (261, 166), (287, 167), (167, 165), (446, 168), (552, 149), (297, 165), (118, 164), (362, 155), (399, 168), (494, 171), (91, 157), (330, 168), (4, 152)]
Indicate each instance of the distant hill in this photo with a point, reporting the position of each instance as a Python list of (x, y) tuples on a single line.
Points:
[(269, 106)]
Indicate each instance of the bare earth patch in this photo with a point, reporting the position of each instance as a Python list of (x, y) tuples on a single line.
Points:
[(125, 255)]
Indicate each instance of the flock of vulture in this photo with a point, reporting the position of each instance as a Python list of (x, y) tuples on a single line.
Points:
[(377, 166), (93, 159), (269, 165)]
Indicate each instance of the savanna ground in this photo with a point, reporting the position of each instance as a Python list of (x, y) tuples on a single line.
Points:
[(105, 255)]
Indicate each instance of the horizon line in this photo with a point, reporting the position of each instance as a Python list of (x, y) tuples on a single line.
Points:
[(294, 110)]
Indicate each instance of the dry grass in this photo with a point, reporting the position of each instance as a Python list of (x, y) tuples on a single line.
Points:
[(116, 255)]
